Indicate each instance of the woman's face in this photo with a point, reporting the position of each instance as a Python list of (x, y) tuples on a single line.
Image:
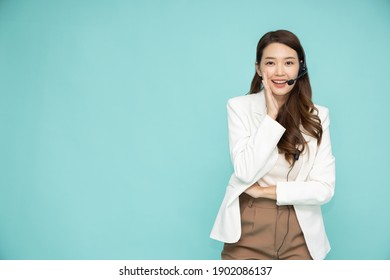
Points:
[(280, 63)]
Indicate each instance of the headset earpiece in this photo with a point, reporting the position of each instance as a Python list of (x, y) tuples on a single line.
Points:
[(302, 68)]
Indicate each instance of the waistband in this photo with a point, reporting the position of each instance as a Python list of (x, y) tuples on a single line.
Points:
[(261, 202)]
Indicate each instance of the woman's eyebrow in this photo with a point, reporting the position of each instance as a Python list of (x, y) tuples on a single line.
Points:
[(271, 57)]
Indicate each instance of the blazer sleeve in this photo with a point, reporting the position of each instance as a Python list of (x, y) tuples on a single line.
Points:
[(319, 187), (250, 148)]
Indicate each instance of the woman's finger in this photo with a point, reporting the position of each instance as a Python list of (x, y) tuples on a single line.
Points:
[(272, 106)]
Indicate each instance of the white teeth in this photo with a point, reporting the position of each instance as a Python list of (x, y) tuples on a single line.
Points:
[(279, 82)]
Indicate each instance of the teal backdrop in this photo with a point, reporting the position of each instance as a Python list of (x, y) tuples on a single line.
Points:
[(113, 128)]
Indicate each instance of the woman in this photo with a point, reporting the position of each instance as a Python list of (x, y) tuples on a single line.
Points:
[(284, 169)]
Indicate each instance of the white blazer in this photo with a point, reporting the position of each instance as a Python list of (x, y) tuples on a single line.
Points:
[(253, 138)]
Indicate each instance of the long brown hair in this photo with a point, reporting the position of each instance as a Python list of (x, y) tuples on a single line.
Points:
[(299, 108)]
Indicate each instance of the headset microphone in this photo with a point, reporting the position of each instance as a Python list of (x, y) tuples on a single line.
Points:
[(301, 73), (292, 81)]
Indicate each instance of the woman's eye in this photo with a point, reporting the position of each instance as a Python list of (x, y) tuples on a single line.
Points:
[(269, 63), (290, 63)]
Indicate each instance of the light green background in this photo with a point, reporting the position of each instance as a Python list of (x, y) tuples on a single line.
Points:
[(113, 121)]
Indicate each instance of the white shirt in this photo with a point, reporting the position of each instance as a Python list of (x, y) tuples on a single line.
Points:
[(279, 172)]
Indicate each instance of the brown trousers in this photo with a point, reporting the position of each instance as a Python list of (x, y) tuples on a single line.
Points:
[(268, 232)]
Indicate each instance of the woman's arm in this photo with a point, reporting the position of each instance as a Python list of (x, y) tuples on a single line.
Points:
[(257, 191), (250, 151), (250, 147), (318, 188)]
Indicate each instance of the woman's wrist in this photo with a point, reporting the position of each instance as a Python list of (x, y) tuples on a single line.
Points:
[(269, 192), (257, 191), (272, 116)]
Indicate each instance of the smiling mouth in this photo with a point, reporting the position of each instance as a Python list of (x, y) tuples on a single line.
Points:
[(279, 82)]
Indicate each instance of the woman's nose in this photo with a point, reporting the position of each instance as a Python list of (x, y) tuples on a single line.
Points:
[(279, 70)]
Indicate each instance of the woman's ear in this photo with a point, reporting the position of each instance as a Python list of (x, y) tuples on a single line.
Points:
[(258, 71)]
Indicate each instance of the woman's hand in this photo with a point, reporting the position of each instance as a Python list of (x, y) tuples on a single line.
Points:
[(272, 105), (254, 190), (257, 191)]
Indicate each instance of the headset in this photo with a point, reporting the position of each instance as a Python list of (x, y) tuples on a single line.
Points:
[(302, 71)]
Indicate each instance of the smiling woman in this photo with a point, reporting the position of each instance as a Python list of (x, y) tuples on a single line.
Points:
[(280, 64), (284, 169)]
